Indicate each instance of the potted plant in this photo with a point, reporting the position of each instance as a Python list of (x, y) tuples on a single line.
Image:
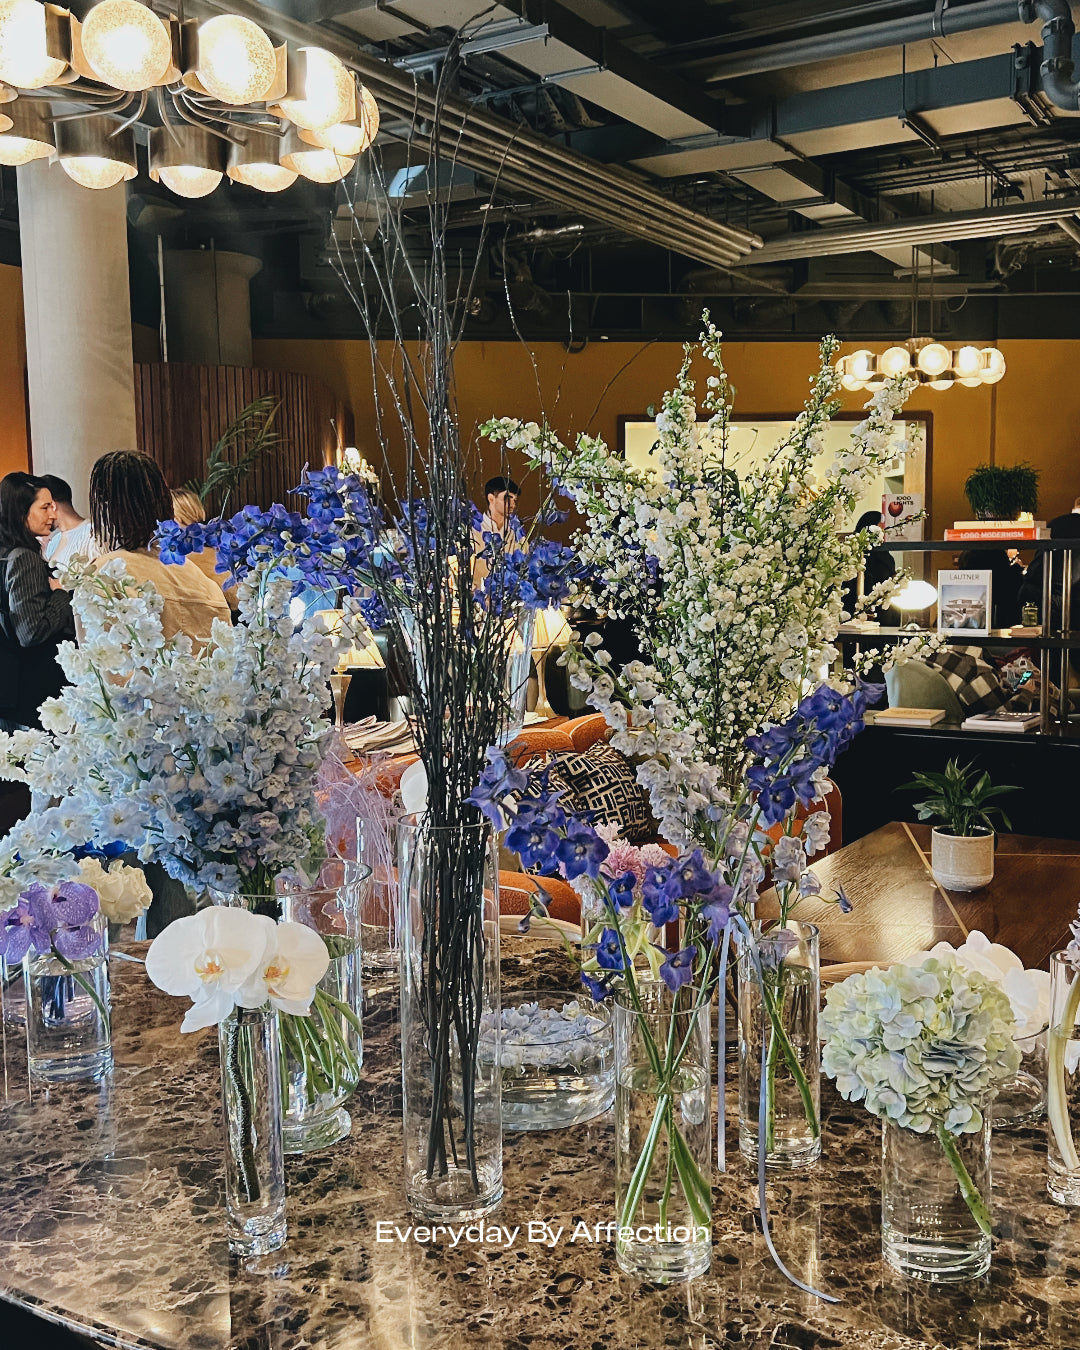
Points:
[(1002, 492), (962, 845)]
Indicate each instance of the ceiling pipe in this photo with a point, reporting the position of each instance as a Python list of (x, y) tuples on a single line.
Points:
[(516, 158), (1056, 71), (936, 22)]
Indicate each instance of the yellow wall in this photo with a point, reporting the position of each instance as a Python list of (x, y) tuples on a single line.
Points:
[(13, 430), (1033, 414)]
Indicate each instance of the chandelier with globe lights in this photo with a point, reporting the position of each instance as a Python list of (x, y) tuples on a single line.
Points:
[(931, 363), (221, 99)]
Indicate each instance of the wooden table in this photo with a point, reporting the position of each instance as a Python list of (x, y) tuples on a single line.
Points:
[(899, 908)]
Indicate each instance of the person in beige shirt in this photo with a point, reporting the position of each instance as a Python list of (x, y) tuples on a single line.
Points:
[(128, 497), (189, 510)]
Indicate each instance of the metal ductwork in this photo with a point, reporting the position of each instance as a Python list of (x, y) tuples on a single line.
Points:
[(938, 21), (480, 140), (1056, 71)]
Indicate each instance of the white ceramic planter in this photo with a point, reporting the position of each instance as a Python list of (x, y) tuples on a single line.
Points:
[(962, 862)]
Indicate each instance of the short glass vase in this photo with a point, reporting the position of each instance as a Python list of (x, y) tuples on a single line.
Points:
[(323, 1053), (68, 1033), (663, 1133), (1022, 1100), (558, 1060), (779, 997), (935, 1202), (254, 1151)]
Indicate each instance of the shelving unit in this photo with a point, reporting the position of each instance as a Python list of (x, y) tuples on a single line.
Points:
[(1061, 640)]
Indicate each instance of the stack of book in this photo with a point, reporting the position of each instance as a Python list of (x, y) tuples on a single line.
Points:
[(908, 717), (974, 531), (1001, 719)]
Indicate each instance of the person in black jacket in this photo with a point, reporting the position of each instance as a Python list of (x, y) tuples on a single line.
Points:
[(35, 610)]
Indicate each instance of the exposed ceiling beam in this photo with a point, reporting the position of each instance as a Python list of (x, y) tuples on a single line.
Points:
[(519, 158), (913, 230)]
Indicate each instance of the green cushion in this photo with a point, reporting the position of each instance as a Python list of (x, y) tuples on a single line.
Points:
[(913, 685)]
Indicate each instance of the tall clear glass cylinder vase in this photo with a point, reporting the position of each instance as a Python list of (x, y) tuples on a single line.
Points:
[(935, 1202), (663, 1133), (68, 1033), (323, 1053), (779, 997), (254, 1152), (452, 1108), (1063, 1082)]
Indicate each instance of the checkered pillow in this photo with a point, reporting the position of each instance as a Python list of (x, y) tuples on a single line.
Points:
[(973, 680), (602, 782)]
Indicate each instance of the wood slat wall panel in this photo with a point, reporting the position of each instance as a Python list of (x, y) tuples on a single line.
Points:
[(181, 410)]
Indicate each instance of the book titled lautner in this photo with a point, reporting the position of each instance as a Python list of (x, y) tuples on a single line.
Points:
[(963, 602)]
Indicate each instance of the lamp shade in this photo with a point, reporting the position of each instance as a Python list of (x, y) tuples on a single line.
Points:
[(5, 122), (7, 94), (253, 161), (915, 595), (862, 364), (311, 162), (30, 54), (321, 91), (126, 45), (94, 153), (366, 655), (235, 60), (934, 358), (349, 138), (29, 135), (189, 160), (895, 361), (550, 629)]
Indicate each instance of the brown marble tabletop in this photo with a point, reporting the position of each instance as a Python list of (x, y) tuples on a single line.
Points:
[(111, 1223)]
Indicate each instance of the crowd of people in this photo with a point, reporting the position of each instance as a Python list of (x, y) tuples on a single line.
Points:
[(41, 532)]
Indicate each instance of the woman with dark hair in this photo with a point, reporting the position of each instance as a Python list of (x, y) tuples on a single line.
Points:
[(35, 610), (128, 498), (880, 566)]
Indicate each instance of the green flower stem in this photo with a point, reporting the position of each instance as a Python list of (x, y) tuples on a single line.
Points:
[(249, 1172), (88, 989), (792, 1060), (979, 1210), (1057, 1109)]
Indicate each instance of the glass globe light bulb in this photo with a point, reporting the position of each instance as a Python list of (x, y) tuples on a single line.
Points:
[(189, 180), (862, 363), (895, 361), (328, 95), (16, 150), (993, 364), (93, 171), (969, 362), (264, 177), (933, 359), (126, 44), (237, 63), (24, 53), (349, 138), (318, 166)]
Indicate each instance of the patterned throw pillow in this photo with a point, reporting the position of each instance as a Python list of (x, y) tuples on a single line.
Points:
[(973, 680), (602, 781)]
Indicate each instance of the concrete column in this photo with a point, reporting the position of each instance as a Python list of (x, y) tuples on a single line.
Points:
[(78, 323)]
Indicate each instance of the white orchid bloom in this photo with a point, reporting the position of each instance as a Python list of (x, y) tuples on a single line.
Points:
[(414, 789), (289, 971), (209, 957)]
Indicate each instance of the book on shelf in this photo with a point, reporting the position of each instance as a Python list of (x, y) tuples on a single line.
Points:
[(964, 535), (1001, 719), (964, 602), (999, 525), (902, 517), (909, 717)]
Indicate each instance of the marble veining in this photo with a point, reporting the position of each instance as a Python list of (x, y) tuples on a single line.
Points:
[(111, 1222)]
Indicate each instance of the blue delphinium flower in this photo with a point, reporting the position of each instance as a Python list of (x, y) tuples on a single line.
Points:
[(581, 851), (678, 968), (621, 890), (609, 953), (500, 781)]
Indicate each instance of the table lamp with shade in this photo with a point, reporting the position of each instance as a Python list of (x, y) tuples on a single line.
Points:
[(914, 598), (550, 629), (365, 656)]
